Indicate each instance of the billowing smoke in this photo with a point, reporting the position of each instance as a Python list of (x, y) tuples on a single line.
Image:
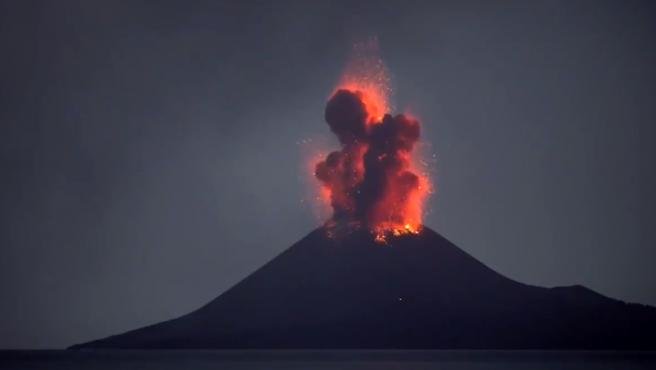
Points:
[(371, 180)]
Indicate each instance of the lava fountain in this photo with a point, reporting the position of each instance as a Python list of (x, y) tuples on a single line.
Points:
[(373, 181)]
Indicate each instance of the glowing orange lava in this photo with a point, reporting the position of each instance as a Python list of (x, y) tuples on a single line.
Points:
[(400, 211), (373, 181)]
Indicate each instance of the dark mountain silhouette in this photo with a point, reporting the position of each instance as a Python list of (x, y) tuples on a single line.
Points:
[(417, 292)]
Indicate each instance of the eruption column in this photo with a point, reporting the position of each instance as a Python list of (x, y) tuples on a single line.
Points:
[(371, 180)]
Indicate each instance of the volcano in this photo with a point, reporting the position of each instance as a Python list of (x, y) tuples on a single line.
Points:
[(374, 277), (418, 291)]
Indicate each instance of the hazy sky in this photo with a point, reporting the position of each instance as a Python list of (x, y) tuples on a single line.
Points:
[(150, 153)]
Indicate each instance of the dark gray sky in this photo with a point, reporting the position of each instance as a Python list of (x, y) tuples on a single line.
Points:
[(149, 150)]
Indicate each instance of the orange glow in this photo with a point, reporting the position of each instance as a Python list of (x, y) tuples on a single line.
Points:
[(400, 212), (374, 181), (316, 198), (366, 74), (373, 96)]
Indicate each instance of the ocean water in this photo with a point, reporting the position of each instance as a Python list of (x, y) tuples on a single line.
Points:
[(329, 360)]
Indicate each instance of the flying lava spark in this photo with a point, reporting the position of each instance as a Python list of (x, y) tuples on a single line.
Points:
[(373, 180)]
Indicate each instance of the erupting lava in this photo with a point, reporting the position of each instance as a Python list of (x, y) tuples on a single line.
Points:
[(372, 180)]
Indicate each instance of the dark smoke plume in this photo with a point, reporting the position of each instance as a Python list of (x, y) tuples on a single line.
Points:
[(371, 179)]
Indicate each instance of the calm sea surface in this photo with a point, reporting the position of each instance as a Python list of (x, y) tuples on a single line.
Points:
[(318, 360)]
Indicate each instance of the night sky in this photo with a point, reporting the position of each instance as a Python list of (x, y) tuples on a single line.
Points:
[(153, 153)]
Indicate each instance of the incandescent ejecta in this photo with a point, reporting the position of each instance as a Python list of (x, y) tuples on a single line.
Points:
[(372, 182)]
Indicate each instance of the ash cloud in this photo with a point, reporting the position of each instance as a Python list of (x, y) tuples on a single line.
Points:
[(371, 180)]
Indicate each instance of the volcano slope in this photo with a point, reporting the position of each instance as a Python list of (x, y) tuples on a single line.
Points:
[(416, 292)]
